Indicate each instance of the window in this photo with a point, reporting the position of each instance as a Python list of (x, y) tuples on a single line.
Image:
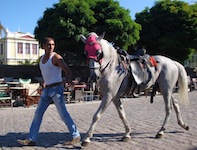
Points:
[(27, 48), (1, 49), (20, 48), (34, 49)]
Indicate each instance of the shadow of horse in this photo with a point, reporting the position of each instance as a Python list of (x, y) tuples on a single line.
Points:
[(117, 137)]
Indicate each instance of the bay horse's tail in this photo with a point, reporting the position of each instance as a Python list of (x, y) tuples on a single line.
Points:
[(183, 84)]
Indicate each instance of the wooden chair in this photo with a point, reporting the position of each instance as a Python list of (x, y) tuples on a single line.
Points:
[(67, 96), (32, 100), (32, 93), (2, 80), (194, 83), (5, 96), (88, 95), (78, 95)]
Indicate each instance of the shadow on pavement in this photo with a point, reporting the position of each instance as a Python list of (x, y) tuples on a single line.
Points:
[(54, 139)]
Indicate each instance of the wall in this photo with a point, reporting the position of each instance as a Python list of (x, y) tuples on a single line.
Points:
[(21, 71)]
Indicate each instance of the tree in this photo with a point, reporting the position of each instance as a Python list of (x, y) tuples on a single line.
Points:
[(169, 28), (68, 19)]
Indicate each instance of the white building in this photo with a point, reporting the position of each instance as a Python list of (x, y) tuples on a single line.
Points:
[(18, 47)]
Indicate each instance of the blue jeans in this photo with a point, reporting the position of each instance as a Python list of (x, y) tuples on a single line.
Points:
[(53, 94)]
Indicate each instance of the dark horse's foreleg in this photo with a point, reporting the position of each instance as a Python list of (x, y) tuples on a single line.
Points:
[(122, 115), (178, 114), (103, 106)]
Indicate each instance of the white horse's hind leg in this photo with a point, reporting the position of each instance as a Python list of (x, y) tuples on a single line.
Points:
[(168, 108), (104, 104), (178, 114), (122, 115)]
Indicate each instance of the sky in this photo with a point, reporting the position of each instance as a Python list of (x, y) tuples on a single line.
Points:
[(22, 15)]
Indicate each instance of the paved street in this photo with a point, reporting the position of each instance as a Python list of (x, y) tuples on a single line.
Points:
[(145, 120)]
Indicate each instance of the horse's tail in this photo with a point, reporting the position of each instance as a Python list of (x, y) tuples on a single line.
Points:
[(182, 83)]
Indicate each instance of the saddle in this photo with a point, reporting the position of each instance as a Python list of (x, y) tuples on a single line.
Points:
[(142, 67), (124, 59), (139, 64)]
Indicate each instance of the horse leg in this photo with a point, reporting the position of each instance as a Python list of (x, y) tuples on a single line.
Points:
[(168, 108), (122, 116), (178, 114), (103, 106)]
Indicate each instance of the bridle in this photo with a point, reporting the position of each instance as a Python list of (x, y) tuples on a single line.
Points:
[(93, 49)]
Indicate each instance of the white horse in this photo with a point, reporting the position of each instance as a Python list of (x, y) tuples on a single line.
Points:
[(115, 79)]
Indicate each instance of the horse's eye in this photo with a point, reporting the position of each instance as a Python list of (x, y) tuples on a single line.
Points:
[(85, 54), (99, 54)]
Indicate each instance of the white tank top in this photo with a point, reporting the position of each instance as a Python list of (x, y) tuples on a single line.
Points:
[(50, 73)]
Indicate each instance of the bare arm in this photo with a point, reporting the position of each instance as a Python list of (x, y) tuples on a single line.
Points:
[(59, 61)]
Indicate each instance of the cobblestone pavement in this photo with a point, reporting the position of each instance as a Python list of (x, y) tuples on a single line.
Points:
[(145, 120)]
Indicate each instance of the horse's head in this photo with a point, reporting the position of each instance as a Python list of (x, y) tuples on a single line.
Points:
[(97, 52)]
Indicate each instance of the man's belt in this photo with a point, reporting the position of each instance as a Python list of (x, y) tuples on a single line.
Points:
[(53, 84)]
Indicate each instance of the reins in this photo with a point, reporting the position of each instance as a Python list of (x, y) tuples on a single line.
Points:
[(103, 69)]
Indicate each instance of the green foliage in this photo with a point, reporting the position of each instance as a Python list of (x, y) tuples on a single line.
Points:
[(169, 28), (68, 19), (28, 62)]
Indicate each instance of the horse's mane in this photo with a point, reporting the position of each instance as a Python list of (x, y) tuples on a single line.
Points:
[(112, 50)]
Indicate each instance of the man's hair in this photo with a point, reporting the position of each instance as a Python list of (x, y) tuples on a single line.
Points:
[(46, 39)]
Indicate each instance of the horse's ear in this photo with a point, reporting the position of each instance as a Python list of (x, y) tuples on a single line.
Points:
[(83, 38), (101, 36)]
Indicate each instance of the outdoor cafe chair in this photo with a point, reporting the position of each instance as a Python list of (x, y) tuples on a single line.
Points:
[(5, 96)]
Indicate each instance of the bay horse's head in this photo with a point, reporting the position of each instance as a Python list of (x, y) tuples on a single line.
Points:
[(98, 53)]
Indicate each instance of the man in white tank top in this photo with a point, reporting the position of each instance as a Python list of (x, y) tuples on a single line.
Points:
[(51, 66)]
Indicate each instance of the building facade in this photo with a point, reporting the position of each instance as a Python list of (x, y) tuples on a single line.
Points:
[(17, 47)]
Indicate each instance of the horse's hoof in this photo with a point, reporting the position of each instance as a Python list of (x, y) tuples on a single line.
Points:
[(187, 127), (158, 136), (84, 143), (126, 139)]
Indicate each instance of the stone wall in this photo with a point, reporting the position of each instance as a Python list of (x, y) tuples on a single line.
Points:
[(23, 71)]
